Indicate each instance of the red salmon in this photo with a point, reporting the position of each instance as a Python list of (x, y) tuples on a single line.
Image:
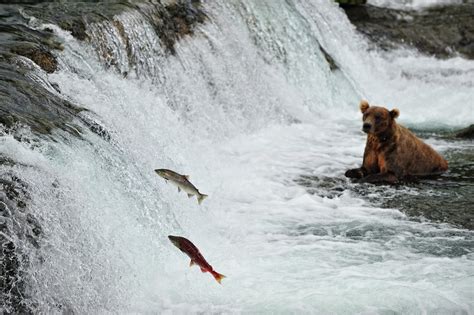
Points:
[(187, 247)]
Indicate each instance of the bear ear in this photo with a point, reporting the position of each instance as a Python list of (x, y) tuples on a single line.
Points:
[(364, 105), (394, 113)]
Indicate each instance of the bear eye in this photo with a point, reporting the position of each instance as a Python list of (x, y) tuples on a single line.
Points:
[(377, 117)]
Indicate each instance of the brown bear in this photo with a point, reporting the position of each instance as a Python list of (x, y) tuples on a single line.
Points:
[(392, 152)]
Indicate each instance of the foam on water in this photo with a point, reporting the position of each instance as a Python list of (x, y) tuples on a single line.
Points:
[(246, 107), (413, 4)]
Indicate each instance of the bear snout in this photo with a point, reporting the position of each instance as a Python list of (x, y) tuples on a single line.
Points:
[(366, 127)]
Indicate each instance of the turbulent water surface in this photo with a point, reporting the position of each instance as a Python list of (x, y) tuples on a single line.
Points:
[(415, 4), (249, 106)]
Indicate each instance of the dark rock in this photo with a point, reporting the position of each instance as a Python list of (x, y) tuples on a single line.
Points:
[(77, 27), (24, 101), (42, 57), (11, 284), (17, 39), (74, 16), (6, 160), (467, 133), (95, 126), (19, 229), (343, 3), (448, 198), (327, 187), (177, 20), (440, 31)]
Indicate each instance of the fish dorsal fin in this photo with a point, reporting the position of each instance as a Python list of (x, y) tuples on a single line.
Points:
[(203, 270), (186, 176), (190, 195), (179, 189), (191, 263)]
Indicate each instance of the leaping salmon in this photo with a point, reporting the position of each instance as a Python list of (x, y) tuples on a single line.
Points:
[(187, 247), (182, 181)]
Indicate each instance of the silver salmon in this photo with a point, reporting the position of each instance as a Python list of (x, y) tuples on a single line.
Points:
[(182, 182)]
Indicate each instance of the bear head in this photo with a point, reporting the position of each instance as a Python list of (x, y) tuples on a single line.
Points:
[(376, 120)]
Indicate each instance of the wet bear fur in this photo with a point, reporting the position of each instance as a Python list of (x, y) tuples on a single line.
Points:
[(392, 152)]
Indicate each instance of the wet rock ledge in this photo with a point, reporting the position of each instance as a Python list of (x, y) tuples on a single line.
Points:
[(443, 31), (26, 103), (23, 100), (466, 133)]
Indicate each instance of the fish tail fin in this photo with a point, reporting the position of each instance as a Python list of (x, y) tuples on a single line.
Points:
[(201, 197), (217, 276)]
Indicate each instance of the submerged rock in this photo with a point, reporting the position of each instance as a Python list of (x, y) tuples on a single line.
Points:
[(20, 232), (74, 16), (77, 27), (448, 198), (444, 199), (351, 2), (176, 20), (443, 31), (39, 55)]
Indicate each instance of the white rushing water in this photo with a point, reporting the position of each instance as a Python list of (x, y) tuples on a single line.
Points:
[(246, 107), (414, 4)]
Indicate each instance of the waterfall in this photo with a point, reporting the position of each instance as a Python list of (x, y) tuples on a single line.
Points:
[(250, 98)]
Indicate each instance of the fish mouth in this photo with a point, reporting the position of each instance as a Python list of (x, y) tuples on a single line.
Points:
[(160, 172), (174, 240)]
